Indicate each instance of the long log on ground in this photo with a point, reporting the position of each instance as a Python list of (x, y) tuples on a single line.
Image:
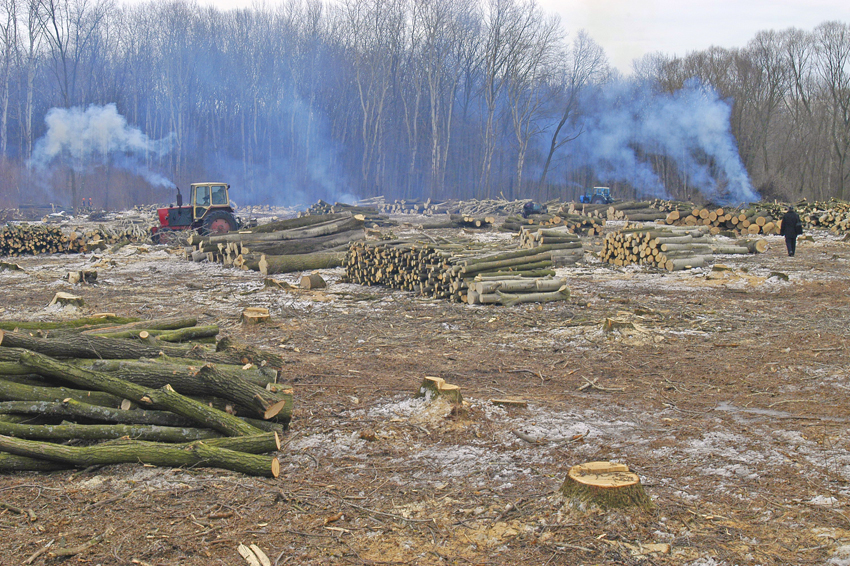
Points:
[(509, 300), (177, 335), (165, 323), (15, 463), (10, 391), (73, 431), (78, 324), (163, 398), (333, 227), (195, 454), (165, 366), (272, 264), (102, 347), (302, 245), (300, 222), (71, 408)]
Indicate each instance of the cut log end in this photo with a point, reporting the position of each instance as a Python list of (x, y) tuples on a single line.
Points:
[(605, 484)]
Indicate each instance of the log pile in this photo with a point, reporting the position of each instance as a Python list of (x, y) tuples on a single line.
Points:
[(449, 271), (140, 392), (34, 239), (576, 223), (752, 221), (670, 248), (296, 244), (367, 214)]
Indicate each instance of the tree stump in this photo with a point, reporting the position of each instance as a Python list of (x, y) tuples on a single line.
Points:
[(255, 315), (605, 484), (437, 387)]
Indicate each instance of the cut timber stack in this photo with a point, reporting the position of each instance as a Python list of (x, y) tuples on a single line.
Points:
[(139, 393), (297, 244), (753, 221), (447, 271), (669, 248), (34, 239), (570, 249)]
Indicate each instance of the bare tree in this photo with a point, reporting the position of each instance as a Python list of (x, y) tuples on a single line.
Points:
[(584, 64), (833, 41)]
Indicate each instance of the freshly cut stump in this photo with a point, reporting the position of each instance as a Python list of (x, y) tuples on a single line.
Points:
[(434, 387), (605, 484)]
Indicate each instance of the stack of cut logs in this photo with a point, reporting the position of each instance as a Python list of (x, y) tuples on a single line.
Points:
[(449, 271), (33, 239), (670, 248), (570, 247), (297, 244), (142, 392), (752, 221)]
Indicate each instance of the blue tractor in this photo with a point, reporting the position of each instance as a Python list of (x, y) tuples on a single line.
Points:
[(597, 195)]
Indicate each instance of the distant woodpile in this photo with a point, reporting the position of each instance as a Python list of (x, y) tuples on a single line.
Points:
[(33, 239)]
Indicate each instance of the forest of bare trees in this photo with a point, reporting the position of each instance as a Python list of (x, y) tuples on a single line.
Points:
[(415, 99)]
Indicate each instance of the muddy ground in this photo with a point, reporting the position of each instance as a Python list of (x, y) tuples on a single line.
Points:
[(727, 394)]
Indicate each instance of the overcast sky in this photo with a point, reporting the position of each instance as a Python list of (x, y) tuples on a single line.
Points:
[(628, 29)]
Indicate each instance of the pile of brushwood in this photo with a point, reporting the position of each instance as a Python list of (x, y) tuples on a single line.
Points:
[(164, 392)]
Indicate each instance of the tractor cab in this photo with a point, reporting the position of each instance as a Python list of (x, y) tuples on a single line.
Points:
[(598, 195), (209, 211)]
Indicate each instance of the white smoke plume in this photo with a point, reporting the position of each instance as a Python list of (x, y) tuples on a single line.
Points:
[(83, 138)]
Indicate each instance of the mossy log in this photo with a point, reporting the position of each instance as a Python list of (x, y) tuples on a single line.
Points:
[(15, 463), (11, 391), (77, 323), (74, 431), (73, 409), (605, 484), (156, 454), (509, 300), (177, 335), (167, 398)]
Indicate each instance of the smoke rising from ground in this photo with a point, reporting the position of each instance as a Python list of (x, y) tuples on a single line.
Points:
[(628, 124), (98, 135)]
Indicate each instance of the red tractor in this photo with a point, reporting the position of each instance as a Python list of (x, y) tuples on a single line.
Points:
[(209, 211)]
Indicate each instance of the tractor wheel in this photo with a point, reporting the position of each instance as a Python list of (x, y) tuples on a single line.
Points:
[(219, 222), (597, 199)]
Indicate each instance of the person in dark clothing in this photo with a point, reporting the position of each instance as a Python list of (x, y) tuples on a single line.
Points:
[(791, 228)]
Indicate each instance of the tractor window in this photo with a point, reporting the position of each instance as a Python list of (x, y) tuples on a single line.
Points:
[(202, 196), (219, 195)]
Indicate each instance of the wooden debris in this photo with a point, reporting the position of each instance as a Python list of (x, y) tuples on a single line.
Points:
[(509, 402)]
